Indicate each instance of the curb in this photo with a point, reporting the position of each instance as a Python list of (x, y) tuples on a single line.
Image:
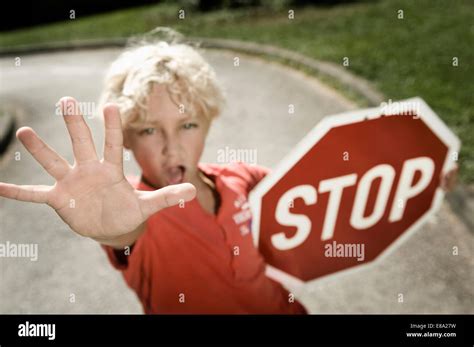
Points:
[(62, 46), (359, 85), (461, 199), (341, 75)]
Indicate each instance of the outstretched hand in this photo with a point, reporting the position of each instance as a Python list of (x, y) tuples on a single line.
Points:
[(92, 196)]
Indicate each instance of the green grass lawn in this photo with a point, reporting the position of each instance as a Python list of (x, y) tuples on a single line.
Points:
[(405, 57)]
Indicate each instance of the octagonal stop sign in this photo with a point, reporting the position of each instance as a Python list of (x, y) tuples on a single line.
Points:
[(358, 184)]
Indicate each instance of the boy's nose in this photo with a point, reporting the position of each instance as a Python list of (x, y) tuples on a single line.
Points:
[(171, 147)]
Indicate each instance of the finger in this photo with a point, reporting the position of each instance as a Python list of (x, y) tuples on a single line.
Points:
[(443, 183), (451, 179), (152, 202), (113, 146), (51, 161), (38, 194), (81, 138)]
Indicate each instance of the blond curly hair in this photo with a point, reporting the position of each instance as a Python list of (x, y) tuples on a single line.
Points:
[(189, 79)]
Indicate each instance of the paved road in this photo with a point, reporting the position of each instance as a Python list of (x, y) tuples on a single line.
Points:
[(72, 273)]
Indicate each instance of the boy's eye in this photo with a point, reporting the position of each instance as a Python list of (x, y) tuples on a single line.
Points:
[(189, 125), (147, 131)]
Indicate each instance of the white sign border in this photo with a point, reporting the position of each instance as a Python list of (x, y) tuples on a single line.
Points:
[(315, 135)]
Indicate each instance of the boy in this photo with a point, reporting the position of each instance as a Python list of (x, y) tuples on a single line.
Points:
[(172, 232)]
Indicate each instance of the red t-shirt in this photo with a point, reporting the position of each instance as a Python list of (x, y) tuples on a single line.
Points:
[(190, 261)]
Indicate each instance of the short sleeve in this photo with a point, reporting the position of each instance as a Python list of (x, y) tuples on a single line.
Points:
[(124, 259), (256, 173), (118, 257)]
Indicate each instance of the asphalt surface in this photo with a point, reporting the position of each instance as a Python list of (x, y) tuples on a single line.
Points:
[(72, 274)]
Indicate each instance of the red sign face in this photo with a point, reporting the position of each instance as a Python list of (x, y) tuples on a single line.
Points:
[(353, 187)]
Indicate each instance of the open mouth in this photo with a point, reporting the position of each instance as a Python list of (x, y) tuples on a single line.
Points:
[(175, 174)]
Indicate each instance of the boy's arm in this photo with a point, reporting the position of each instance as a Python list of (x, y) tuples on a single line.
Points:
[(257, 173), (92, 196)]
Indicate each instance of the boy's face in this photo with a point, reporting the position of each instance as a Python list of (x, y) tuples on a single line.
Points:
[(168, 146)]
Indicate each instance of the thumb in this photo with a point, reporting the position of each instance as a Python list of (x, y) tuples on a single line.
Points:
[(152, 202)]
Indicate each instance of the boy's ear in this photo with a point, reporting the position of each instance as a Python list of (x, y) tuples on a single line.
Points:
[(126, 139)]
